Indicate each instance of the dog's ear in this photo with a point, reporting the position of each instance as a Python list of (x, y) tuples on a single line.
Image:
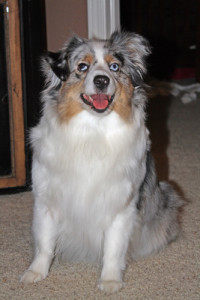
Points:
[(58, 63), (72, 45), (134, 49)]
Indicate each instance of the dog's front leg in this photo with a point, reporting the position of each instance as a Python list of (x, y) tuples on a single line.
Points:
[(115, 249), (44, 226)]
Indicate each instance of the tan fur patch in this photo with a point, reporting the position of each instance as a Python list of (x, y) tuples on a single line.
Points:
[(88, 58), (122, 105), (70, 103), (109, 59)]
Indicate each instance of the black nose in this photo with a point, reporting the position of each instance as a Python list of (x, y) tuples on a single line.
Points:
[(101, 81)]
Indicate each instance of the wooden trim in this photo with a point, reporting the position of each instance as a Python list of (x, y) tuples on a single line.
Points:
[(18, 176)]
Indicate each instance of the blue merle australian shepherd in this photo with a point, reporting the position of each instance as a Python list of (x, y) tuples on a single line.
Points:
[(97, 198)]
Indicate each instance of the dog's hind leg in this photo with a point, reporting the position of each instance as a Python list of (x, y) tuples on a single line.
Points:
[(160, 225), (44, 225), (158, 207)]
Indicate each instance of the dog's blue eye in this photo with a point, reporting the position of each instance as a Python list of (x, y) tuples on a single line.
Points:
[(114, 67), (82, 67)]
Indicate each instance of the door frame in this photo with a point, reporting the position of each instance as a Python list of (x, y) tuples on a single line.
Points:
[(17, 177), (103, 18)]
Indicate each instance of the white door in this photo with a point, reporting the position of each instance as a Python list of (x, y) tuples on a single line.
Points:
[(103, 18)]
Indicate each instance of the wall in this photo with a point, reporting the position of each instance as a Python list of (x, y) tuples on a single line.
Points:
[(63, 19)]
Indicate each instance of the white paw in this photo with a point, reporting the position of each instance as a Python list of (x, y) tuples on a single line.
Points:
[(110, 286), (31, 277)]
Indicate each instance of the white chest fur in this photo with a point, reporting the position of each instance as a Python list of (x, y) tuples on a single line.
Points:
[(85, 172)]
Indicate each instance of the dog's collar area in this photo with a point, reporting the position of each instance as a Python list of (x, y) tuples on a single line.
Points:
[(99, 102)]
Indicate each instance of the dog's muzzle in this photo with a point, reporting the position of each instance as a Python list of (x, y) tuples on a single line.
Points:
[(101, 100)]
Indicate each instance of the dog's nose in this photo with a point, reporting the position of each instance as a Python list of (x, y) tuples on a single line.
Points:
[(101, 81)]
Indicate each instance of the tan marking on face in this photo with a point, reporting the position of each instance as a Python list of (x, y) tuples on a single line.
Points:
[(70, 104), (110, 59), (122, 105), (88, 58)]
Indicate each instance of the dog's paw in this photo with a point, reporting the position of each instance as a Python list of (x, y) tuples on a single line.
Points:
[(31, 277), (110, 286)]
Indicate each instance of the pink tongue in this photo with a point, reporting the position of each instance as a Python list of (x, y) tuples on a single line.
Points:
[(100, 101)]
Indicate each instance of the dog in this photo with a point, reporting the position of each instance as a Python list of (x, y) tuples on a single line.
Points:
[(97, 198)]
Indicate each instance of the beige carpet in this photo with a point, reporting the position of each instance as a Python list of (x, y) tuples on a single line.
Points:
[(172, 274)]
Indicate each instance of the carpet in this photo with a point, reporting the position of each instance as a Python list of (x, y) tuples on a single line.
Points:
[(172, 274)]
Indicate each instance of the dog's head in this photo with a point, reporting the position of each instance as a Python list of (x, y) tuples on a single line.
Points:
[(97, 75)]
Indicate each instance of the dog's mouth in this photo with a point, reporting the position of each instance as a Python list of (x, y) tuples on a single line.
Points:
[(99, 102)]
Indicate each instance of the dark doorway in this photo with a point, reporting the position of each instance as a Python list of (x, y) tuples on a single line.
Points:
[(172, 29)]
